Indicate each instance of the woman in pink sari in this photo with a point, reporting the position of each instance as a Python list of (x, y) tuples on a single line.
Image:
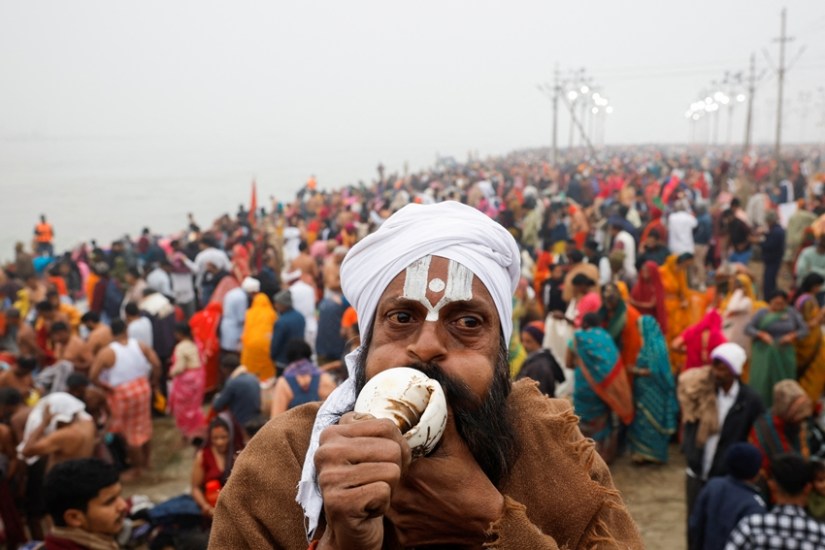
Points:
[(697, 341), (186, 394)]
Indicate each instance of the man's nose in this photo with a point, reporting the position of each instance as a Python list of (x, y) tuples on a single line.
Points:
[(429, 344)]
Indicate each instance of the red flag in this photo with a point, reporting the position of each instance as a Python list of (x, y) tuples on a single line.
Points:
[(253, 203)]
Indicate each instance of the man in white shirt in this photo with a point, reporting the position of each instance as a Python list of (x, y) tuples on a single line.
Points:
[(737, 407), (624, 241), (138, 326), (158, 279), (303, 300), (680, 225), (235, 304)]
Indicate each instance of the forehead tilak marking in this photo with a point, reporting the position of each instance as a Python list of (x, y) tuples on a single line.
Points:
[(459, 285)]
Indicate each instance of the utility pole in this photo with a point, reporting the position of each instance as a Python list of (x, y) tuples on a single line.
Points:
[(556, 92), (751, 91), (783, 39)]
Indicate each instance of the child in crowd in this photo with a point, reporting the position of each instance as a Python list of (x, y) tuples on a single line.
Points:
[(726, 500), (816, 500)]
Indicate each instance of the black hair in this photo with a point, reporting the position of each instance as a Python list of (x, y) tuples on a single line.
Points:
[(118, 327), (132, 309), (810, 281), (792, 473), (575, 256), (90, 317), (59, 326), (72, 484), (296, 350), (817, 467), (591, 320), (230, 361), (77, 380), (654, 233), (52, 294), (183, 329), (582, 280), (685, 256), (27, 363), (134, 272), (44, 306), (303, 246), (10, 397), (591, 244), (778, 293)]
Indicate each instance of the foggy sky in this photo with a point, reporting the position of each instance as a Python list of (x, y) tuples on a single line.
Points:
[(352, 77)]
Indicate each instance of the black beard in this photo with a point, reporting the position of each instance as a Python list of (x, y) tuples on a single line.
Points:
[(483, 424)]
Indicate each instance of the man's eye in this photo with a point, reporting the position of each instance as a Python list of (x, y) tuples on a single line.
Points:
[(401, 317), (468, 322)]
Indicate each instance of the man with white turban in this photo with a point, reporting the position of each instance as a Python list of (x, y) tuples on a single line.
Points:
[(433, 291), (718, 410)]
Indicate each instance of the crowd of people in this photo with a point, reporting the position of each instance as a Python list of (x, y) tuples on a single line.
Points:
[(669, 295)]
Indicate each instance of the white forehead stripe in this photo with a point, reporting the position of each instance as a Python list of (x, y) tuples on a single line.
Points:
[(459, 286)]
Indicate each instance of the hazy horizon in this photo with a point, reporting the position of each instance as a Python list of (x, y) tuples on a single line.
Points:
[(104, 104)]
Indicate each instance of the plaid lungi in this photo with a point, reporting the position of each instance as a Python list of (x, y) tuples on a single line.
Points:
[(130, 405)]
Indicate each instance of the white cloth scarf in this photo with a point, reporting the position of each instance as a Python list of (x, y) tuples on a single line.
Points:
[(63, 408), (449, 229)]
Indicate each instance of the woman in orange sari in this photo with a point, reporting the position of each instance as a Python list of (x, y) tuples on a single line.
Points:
[(677, 303), (257, 337)]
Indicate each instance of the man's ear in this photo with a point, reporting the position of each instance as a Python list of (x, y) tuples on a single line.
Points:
[(74, 518)]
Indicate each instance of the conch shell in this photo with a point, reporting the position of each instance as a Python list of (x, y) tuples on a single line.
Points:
[(412, 400)]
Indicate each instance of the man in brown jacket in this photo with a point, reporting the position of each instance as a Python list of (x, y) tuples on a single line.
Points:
[(433, 291)]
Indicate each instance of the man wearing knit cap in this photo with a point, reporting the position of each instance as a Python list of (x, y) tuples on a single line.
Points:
[(433, 291), (726, 500), (718, 411)]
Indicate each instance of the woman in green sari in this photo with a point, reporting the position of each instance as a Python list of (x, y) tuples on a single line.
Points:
[(654, 395), (601, 390), (773, 356)]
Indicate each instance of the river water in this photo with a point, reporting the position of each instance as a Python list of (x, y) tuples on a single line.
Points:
[(105, 187)]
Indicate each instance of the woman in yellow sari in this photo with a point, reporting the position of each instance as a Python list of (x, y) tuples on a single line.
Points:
[(810, 350), (677, 303), (257, 337), (737, 309)]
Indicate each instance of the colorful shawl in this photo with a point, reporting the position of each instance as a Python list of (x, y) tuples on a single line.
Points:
[(702, 338), (601, 384)]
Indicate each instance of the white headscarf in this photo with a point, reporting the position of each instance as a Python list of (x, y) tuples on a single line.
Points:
[(449, 229)]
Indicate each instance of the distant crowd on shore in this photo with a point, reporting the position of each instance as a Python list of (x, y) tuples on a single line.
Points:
[(660, 286)]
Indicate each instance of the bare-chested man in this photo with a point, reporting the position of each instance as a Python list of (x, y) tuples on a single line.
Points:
[(70, 347), (332, 272), (80, 386), (307, 265), (100, 335), (20, 340), (65, 431), (20, 376)]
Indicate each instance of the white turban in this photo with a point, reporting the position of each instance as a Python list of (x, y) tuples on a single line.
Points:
[(251, 285), (449, 229), (731, 354)]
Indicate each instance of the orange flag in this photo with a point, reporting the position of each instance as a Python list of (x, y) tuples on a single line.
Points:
[(253, 203)]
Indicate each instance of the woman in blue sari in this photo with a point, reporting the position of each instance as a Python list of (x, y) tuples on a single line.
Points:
[(654, 394), (601, 385)]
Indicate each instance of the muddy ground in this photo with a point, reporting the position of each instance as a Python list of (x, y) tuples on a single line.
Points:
[(654, 494)]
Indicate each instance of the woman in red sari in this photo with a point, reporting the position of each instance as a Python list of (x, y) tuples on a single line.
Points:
[(204, 325), (648, 294)]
